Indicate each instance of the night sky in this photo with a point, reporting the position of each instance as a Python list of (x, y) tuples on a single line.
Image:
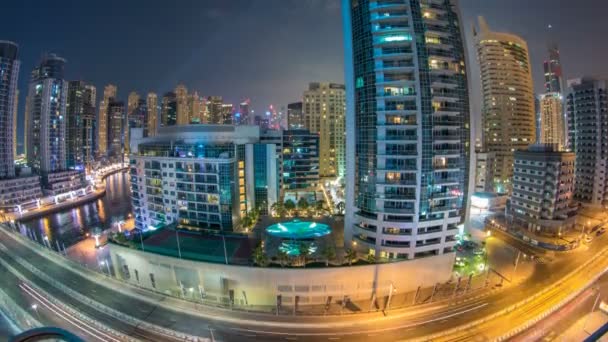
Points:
[(265, 50)]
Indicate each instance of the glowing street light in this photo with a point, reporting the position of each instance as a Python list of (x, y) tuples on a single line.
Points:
[(96, 236)]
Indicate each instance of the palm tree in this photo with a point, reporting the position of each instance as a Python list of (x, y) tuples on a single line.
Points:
[(341, 207), (329, 253), (290, 206), (278, 209), (350, 256), (320, 207), (259, 256), (371, 258), (304, 252), (282, 257)]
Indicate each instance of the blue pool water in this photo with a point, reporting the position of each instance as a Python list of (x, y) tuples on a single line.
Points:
[(297, 229)]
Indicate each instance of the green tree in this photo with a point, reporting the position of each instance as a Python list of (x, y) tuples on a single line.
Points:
[(371, 258), (278, 209), (259, 256), (320, 207), (350, 255), (341, 207), (329, 253)]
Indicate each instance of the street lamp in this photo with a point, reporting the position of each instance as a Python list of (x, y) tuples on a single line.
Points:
[(35, 308), (96, 236), (107, 265)]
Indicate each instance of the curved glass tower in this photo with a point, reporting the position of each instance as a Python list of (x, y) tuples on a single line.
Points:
[(407, 127)]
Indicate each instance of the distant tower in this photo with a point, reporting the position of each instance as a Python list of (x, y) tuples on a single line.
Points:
[(169, 109), (152, 106), (227, 118), (102, 119), (294, 115), (553, 71), (214, 105), (509, 119), (80, 120), (116, 129), (242, 116), (194, 106), (323, 107), (9, 70), (183, 113), (132, 105), (15, 120)]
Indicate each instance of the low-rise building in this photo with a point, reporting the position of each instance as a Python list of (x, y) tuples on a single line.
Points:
[(543, 186), (62, 182), (19, 191), (202, 177)]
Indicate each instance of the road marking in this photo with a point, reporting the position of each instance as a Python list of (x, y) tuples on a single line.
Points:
[(65, 315), (405, 326)]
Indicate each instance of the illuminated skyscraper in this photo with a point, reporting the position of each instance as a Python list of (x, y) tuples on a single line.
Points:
[(508, 99), (15, 119), (407, 130), (552, 121), (183, 112), (323, 107), (152, 106), (102, 119), (47, 116), (9, 70)]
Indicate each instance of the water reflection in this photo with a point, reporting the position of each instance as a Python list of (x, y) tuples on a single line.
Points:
[(70, 226)]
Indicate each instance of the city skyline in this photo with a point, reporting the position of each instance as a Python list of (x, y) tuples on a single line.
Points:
[(293, 68)]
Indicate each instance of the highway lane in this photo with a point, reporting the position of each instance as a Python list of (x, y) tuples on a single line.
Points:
[(417, 325)]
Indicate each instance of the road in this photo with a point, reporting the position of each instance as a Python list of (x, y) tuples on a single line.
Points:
[(225, 325)]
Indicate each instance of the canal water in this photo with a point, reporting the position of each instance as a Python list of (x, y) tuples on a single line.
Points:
[(72, 225)]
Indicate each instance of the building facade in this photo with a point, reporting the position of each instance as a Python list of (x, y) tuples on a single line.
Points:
[(9, 69), (552, 129), (300, 161), (587, 113), (227, 115), (543, 188), (242, 117), (109, 92), (295, 118), (202, 177), (80, 125), (508, 116), (484, 171), (407, 127), (323, 107), (47, 98)]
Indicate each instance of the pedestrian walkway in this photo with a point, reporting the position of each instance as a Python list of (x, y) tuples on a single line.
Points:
[(584, 327)]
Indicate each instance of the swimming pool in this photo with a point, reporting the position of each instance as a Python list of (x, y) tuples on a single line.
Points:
[(297, 229)]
